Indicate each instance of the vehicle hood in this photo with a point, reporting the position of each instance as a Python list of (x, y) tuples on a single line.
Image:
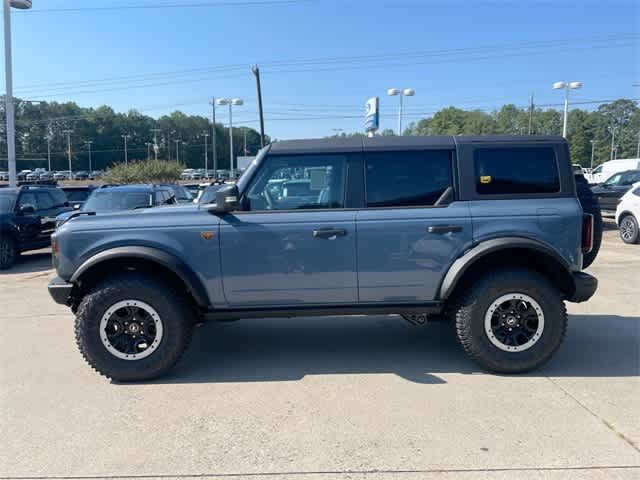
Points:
[(156, 217)]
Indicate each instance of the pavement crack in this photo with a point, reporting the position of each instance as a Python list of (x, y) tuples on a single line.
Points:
[(607, 424)]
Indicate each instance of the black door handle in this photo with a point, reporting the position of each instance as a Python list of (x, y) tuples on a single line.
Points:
[(444, 228), (329, 232)]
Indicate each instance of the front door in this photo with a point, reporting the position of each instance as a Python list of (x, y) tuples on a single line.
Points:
[(412, 228), (293, 243)]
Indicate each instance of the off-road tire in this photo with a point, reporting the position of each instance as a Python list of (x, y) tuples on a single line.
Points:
[(473, 304), (590, 204), (176, 313), (635, 234), (8, 251)]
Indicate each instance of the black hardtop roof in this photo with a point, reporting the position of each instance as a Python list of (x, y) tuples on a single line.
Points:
[(356, 144)]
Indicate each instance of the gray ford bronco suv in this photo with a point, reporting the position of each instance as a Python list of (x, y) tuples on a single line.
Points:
[(486, 232)]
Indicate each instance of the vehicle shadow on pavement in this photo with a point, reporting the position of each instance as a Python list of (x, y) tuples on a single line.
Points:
[(271, 350), (31, 262)]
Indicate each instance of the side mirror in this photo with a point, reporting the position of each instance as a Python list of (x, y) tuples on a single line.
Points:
[(27, 209), (227, 199)]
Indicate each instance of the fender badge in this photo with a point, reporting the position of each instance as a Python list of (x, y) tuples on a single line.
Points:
[(207, 235), (485, 179)]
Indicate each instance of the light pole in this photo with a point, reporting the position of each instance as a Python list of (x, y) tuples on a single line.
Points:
[(177, 150), (612, 130), (88, 143), (148, 144), (566, 86), (48, 139), (638, 149), (206, 164), (214, 154), (231, 102), (406, 92), (155, 142), (68, 133), (125, 136), (593, 143), (8, 65)]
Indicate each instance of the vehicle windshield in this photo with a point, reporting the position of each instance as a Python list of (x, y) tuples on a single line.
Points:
[(104, 201), (181, 193), (77, 195), (7, 201)]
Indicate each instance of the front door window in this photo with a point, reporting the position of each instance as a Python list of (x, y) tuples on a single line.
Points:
[(294, 182)]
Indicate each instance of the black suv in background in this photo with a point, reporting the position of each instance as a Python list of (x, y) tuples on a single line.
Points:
[(611, 191), (27, 219)]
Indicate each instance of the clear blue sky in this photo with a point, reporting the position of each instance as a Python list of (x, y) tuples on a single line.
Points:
[(471, 54)]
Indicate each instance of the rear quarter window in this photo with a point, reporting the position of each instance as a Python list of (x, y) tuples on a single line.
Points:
[(518, 170)]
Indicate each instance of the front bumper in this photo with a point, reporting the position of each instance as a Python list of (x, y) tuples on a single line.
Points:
[(585, 286), (60, 290)]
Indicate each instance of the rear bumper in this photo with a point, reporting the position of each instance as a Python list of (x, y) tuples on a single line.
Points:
[(585, 286), (60, 290)]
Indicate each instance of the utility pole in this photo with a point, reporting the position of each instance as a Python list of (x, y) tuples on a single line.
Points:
[(214, 143), (530, 112), (206, 164), (177, 151), (88, 143), (593, 143), (612, 129), (68, 133), (256, 71), (125, 136), (155, 141), (148, 144), (638, 149)]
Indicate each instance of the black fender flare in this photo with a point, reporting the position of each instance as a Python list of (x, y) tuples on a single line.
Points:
[(460, 266), (155, 255)]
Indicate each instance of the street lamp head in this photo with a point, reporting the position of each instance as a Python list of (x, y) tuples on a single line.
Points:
[(559, 85), (392, 92), (237, 101), (408, 92), (575, 85), (21, 4), (222, 101)]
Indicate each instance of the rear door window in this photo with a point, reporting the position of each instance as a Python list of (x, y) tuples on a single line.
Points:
[(516, 170), (407, 179)]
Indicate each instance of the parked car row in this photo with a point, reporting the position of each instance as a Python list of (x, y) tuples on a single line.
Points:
[(41, 174)]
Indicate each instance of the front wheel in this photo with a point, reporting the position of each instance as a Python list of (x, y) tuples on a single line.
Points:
[(8, 251), (629, 232), (132, 327), (511, 321)]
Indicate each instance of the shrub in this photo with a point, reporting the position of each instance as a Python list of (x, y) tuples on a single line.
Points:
[(149, 171)]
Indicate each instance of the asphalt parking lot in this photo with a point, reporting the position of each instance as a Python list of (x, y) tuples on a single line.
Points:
[(324, 398)]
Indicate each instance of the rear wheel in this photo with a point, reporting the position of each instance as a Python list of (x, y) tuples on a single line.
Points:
[(511, 321), (132, 327), (629, 232), (8, 251)]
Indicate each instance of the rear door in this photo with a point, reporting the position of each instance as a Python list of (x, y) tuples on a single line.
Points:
[(291, 250), (412, 228)]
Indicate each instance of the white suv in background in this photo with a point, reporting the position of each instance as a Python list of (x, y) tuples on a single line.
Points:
[(628, 215)]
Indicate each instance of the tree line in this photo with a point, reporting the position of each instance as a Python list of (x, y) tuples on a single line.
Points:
[(35, 122), (583, 126)]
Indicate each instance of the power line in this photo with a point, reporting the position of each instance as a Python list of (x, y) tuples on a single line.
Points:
[(342, 63), (254, 3)]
